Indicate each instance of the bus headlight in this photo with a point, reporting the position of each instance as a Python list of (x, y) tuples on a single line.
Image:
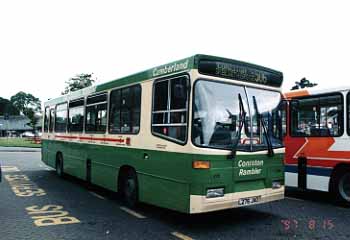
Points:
[(215, 192), (276, 184)]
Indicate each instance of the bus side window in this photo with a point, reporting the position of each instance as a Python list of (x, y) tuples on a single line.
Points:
[(46, 119), (52, 120), (279, 120), (61, 118), (96, 113), (305, 117), (125, 109), (114, 111), (317, 116), (348, 112), (126, 105), (76, 116), (331, 115), (170, 108)]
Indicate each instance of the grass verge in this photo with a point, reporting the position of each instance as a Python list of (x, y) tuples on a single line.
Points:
[(18, 142)]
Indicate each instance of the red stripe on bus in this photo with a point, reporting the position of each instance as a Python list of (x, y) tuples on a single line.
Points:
[(70, 137), (91, 138)]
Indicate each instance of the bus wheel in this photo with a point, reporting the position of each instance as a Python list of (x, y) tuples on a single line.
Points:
[(130, 188), (59, 165), (342, 186)]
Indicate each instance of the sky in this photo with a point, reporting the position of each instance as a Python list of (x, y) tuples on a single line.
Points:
[(44, 43)]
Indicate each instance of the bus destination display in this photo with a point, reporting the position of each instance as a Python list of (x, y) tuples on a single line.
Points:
[(241, 72)]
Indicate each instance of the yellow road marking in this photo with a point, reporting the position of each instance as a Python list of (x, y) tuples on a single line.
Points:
[(23, 187), (132, 212), (50, 215), (181, 236), (96, 195), (9, 169)]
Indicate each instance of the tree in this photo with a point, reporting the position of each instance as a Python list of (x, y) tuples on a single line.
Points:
[(80, 81), (33, 119), (7, 108), (25, 101), (27, 105), (303, 83)]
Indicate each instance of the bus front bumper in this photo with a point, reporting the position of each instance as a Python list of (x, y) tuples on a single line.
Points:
[(201, 204)]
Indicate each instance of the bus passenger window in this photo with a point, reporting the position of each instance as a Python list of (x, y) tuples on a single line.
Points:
[(76, 115), (304, 117), (96, 113), (317, 116), (136, 109), (169, 113), (61, 118), (279, 120), (125, 109), (114, 114), (331, 114), (46, 119), (348, 110), (126, 104), (51, 122)]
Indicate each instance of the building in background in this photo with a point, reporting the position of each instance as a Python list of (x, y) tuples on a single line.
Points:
[(15, 126)]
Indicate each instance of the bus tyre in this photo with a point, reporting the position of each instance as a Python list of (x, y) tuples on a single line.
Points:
[(341, 187), (130, 188), (59, 165)]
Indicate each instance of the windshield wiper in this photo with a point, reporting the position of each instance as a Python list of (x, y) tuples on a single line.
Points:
[(242, 115), (270, 151)]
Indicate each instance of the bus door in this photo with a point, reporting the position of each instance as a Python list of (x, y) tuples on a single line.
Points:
[(302, 172), (50, 135)]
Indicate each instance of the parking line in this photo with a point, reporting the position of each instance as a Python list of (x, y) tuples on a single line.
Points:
[(181, 236), (9, 169), (96, 195), (296, 199), (132, 212)]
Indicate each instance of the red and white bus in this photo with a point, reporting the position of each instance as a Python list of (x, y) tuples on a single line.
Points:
[(318, 140)]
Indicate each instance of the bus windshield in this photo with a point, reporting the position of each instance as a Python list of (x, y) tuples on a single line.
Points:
[(218, 115)]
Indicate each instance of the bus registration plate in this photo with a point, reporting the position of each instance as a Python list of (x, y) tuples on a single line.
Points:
[(248, 201)]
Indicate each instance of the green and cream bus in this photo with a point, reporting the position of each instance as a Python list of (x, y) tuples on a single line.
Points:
[(196, 135)]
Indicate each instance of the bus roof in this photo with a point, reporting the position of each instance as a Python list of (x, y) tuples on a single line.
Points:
[(208, 65), (313, 91)]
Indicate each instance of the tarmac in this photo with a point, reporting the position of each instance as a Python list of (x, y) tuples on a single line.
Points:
[(19, 149)]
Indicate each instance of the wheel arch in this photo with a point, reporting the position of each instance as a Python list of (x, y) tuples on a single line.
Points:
[(58, 153), (121, 173), (339, 168)]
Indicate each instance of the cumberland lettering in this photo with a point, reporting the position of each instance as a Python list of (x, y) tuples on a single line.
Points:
[(175, 67)]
